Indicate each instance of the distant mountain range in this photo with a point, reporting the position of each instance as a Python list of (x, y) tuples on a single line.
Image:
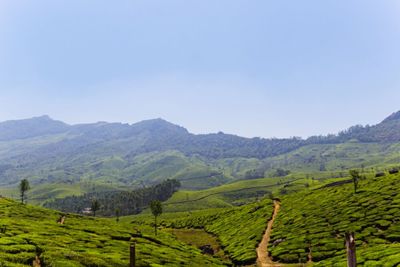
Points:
[(49, 151), (160, 135)]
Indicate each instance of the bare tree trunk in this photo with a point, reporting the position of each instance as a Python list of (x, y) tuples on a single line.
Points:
[(351, 250), (155, 225), (132, 255)]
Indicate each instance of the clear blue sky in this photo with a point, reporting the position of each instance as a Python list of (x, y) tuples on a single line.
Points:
[(248, 67)]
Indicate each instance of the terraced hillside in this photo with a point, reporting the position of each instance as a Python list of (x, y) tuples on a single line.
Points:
[(27, 231), (238, 229), (53, 154), (315, 222), (236, 194)]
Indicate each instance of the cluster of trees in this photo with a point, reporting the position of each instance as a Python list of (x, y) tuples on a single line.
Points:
[(220, 145), (223, 145), (230, 146), (387, 131), (254, 174), (281, 172), (116, 203)]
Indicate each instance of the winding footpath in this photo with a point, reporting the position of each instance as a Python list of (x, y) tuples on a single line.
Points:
[(263, 258)]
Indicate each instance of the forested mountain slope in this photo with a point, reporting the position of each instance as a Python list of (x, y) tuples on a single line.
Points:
[(46, 151)]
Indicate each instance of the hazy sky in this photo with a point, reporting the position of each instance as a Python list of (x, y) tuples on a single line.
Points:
[(248, 67)]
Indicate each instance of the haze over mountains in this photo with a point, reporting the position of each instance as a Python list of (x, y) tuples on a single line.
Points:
[(175, 135), (49, 151)]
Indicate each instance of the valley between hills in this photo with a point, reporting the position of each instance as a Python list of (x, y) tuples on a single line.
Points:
[(226, 200)]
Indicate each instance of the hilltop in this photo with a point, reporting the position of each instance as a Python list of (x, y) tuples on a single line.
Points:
[(61, 159), (230, 209)]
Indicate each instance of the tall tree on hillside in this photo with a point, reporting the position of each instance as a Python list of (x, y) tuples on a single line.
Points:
[(156, 209), (355, 176), (95, 206), (23, 187), (117, 213)]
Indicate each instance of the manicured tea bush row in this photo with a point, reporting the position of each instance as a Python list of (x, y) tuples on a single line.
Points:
[(317, 220), (239, 229), (27, 231)]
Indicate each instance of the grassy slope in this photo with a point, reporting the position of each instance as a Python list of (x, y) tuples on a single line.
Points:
[(149, 168), (320, 218), (196, 173), (238, 229), (236, 193), (21, 146), (193, 171), (336, 157), (199, 238), (84, 241), (45, 192)]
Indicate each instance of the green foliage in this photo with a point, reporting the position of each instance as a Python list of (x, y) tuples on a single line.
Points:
[(200, 239), (86, 241), (112, 152), (316, 220), (355, 176), (117, 214), (63, 158), (95, 206), (238, 229), (236, 193), (128, 202), (156, 210), (281, 172), (23, 187)]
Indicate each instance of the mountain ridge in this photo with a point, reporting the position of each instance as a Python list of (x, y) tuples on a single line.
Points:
[(149, 124), (48, 151)]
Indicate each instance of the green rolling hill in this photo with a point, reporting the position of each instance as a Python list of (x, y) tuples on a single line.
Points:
[(315, 221), (236, 194), (62, 160), (227, 186), (28, 231)]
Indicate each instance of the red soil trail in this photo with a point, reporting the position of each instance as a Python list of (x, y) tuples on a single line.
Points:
[(36, 262), (263, 257)]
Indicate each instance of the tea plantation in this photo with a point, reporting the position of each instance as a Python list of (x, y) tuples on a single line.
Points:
[(311, 224), (27, 231), (237, 193), (239, 229), (314, 222)]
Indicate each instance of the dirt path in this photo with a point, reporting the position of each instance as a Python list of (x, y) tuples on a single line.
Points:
[(263, 258), (36, 262)]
